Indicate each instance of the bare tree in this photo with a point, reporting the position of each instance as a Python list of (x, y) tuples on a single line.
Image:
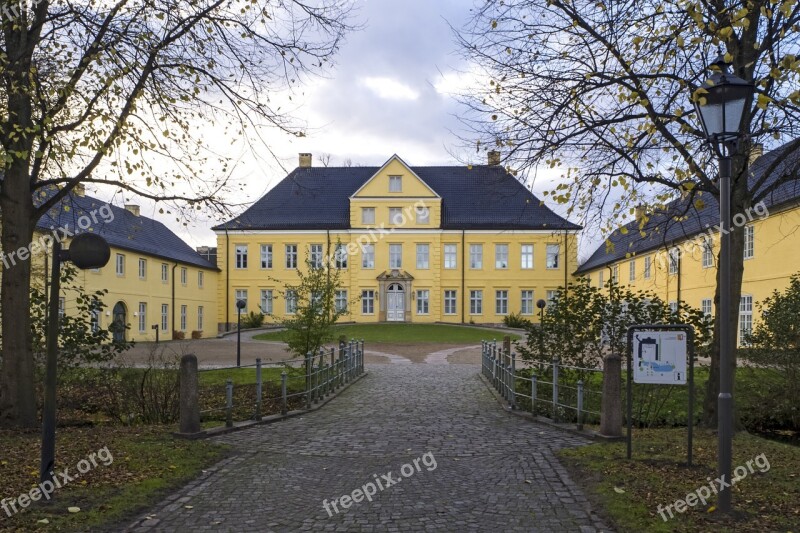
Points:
[(601, 91), (126, 93)]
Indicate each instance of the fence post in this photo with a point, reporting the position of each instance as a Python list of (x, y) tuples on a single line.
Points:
[(580, 404), (321, 377), (309, 364), (189, 395), (284, 407), (555, 389), (361, 358), (259, 388), (513, 391), (611, 399), (229, 403), (533, 394), (334, 375), (340, 363)]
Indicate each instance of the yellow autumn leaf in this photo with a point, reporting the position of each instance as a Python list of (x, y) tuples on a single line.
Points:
[(763, 101)]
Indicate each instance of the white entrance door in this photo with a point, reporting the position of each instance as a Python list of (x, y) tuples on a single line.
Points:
[(395, 303)]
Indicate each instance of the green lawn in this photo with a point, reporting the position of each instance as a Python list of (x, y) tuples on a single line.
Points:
[(406, 333), (629, 492)]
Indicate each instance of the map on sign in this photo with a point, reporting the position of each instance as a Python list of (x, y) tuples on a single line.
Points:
[(659, 357)]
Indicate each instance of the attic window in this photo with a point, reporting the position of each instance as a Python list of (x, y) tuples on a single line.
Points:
[(395, 184)]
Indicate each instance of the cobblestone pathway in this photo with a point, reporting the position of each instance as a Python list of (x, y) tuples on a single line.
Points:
[(493, 472)]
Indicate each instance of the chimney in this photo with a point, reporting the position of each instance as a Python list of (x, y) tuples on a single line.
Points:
[(133, 208), (305, 160), (493, 157), (756, 151), (79, 190)]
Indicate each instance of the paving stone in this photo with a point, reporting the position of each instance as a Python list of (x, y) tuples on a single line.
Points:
[(281, 473)]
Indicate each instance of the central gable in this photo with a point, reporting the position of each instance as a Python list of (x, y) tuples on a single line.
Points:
[(395, 179)]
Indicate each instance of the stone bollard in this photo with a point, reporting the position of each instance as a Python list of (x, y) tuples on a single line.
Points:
[(189, 391), (611, 401)]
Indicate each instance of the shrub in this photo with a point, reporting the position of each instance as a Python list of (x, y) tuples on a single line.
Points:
[(253, 320), (197, 334), (516, 320), (178, 335)]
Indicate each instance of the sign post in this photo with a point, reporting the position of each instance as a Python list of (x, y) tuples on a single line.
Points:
[(660, 354)]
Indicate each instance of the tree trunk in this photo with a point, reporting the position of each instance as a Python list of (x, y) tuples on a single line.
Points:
[(739, 204), (17, 385)]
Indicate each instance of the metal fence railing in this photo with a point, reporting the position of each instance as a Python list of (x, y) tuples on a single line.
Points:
[(562, 392), (253, 391)]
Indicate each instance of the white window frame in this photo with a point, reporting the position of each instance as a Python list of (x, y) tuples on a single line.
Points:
[(601, 282), (164, 273), (708, 253), (553, 252), (184, 312), (241, 257), (119, 262), (450, 256), (707, 306), (164, 317), (240, 294), (266, 301), (291, 256), (395, 255), (745, 317), (551, 296), (648, 267), (368, 215), (340, 255), (501, 301), (142, 317), (200, 318), (142, 268), (200, 279), (501, 256), (450, 302), (423, 301), (395, 216), (423, 215), (423, 256), (368, 256), (526, 302), (184, 276), (291, 302), (476, 302), (476, 256), (526, 257), (749, 241), (266, 256), (395, 183), (340, 300), (368, 302), (632, 270), (674, 258), (315, 255), (615, 273)]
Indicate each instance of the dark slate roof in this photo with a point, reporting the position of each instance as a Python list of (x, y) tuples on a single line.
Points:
[(478, 197), (125, 230), (685, 218)]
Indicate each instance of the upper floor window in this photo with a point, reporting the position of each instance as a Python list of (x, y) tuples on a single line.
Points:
[(615, 274), (674, 254), (749, 242), (368, 256), (648, 263), (395, 183), (708, 253), (120, 265), (450, 254), (526, 259), (200, 279), (316, 256), (600, 278), (553, 251), (291, 256), (341, 256), (501, 256), (266, 256), (184, 275), (395, 215), (142, 268), (632, 270), (423, 256), (395, 256), (367, 215), (241, 256), (423, 215), (476, 256)]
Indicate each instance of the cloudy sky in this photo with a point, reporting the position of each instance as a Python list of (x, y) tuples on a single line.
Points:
[(390, 91)]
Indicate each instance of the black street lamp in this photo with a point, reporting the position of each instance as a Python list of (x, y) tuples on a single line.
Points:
[(721, 104), (87, 250), (240, 304), (541, 305)]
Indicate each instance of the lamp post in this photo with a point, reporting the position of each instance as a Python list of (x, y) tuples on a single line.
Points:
[(541, 305), (721, 104), (87, 250), (240, 304)]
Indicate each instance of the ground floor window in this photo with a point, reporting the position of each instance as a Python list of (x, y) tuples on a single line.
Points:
[(526, 305), (450, 302), (183, 318), (501, 302), (240, 294), (476, 302), (745, 318), (705, 306), (200, 318), (368, 302), (341, 301), (142, 317), (423, 302), (164, 317), (266, 301), (291, 302)]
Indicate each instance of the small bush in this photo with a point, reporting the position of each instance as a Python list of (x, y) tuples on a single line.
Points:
[(178, 335), (253, 320), (197, 334), (515, 320)]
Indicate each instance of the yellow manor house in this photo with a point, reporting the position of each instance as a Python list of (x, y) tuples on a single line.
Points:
[(457, 244), (673, 252)]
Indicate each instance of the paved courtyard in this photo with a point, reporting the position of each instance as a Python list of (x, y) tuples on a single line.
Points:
[(485, 470)]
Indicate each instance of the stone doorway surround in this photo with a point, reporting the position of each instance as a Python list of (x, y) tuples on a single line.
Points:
[(389, 277)]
